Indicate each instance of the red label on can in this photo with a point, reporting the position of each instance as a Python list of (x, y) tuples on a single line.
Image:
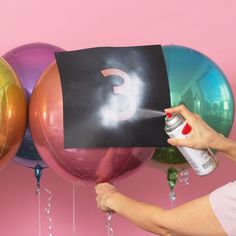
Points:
[(187, 129)]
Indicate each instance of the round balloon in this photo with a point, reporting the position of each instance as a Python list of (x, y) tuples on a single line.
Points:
[(196, 81), (29, 61), (168, 157), (13, 113), (83, 165)]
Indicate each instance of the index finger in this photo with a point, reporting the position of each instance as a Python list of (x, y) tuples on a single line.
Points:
[(182, 109)]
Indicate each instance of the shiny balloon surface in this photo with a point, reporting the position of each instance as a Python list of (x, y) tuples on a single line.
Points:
[(13, 109), (29, 61), (196, 81), (84, 165)]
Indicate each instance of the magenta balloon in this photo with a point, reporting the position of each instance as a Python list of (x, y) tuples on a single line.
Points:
[(84, 165), (28, 62)]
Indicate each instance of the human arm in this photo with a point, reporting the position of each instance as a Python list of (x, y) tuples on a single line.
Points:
[(193, 218), (202, 136)]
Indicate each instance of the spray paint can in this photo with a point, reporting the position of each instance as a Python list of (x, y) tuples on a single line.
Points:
[(203, 162)]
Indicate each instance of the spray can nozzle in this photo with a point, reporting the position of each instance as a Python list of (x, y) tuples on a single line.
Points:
[(169, 115)]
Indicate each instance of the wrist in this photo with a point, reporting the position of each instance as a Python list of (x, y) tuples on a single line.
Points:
[(224, 144), (228, 147), (218, 142), (117, 202), (111, 201)]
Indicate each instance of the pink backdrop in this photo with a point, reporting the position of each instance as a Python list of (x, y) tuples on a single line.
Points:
[(208, 26)]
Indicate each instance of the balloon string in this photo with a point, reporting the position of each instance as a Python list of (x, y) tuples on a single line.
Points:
[(172, 197), (108, 224), (38, 190), (39, 211), (172, 177), (74, 212), (48, 211), (184, 176)]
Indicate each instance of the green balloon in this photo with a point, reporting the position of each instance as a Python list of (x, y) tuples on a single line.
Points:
[(196, 81), (168, 155)]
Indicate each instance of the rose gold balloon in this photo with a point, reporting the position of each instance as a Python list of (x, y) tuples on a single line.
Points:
[(13, 110), (83, 165)]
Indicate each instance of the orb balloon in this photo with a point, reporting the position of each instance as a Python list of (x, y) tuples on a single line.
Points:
[(196, 81), (29, 61), (13, 108), (83, 165)]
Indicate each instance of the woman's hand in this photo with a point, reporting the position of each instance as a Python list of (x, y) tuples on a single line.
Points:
[(104, 192), (201, 137)]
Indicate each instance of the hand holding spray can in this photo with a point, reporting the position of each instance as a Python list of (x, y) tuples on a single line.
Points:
[(202, 161)]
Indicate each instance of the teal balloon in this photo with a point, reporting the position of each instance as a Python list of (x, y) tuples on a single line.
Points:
[(196, 81)]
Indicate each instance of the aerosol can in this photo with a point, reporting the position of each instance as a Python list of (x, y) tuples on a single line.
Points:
[(203, 162)]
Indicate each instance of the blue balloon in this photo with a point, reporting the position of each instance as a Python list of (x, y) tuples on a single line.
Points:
[(196, 81)]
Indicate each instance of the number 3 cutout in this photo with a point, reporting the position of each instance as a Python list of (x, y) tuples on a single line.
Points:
[(126, 90)]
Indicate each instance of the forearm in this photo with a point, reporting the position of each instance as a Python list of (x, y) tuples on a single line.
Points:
[(190, 219), (148, 217)]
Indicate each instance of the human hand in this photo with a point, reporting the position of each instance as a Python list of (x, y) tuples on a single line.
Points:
[(202, 136), (104, 192)]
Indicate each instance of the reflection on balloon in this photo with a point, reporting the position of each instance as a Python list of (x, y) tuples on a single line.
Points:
[(83, 165), (197, 82), (29, 61), (13, 110)]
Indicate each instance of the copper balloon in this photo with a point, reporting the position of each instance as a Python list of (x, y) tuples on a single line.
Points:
[(83, 165), (12, 113)]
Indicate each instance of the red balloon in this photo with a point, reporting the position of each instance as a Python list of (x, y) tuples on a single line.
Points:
[(83, 165)]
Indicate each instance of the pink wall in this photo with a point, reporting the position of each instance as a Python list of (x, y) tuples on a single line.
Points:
[(208, 26)]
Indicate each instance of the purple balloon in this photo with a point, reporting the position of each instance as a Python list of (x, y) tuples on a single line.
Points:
[(29, 61)]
